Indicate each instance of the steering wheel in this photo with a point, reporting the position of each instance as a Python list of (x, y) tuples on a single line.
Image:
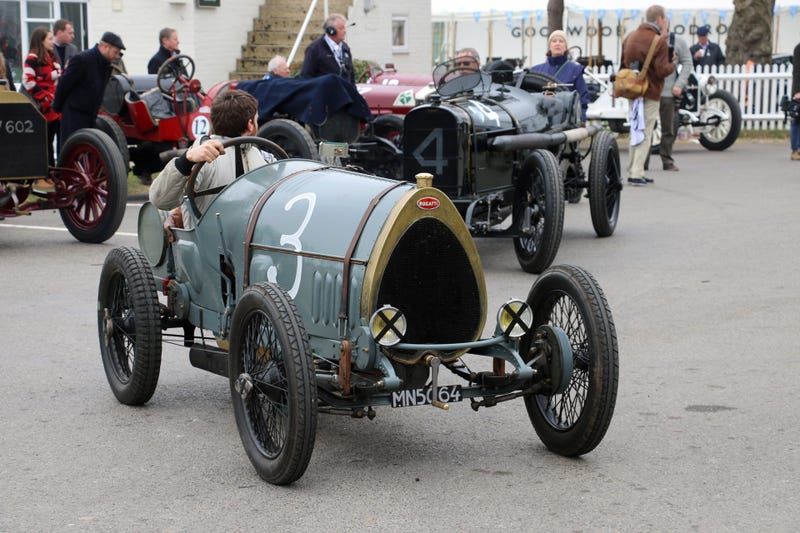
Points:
[(176, 70), (262, 143)]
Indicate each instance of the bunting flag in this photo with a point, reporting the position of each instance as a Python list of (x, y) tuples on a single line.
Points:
[(792, 10), (775, 9), (635, 13), (601, 13), (539, 14), (587, 13), (620, 12), (477, 15), (686, 18), (525, 16), (723, 14), (704, 17)]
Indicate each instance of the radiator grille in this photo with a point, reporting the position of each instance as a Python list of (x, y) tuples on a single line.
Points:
[(430, 278)]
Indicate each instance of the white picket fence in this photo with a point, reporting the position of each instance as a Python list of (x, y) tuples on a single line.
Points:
[(758, 89)]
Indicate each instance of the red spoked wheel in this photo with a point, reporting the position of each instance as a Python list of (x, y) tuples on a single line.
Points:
[(91, 184)]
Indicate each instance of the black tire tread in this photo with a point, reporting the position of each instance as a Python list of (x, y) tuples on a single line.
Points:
[(132, 264), (574, 443), (299, 348), (289, 128), (554, 205), (604, 146), (109, 127)]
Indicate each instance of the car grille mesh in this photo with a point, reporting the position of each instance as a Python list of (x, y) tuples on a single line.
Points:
[(430, 279)]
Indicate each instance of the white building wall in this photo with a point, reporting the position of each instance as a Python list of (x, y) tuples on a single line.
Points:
[(371, 37), (213, 37)]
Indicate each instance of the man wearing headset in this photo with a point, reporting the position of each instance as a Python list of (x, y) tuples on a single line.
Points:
[(330, 54)]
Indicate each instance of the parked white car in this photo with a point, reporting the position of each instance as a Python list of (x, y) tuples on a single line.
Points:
[(706, 112)]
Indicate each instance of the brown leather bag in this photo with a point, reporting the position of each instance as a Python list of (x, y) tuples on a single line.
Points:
[(632, 84)]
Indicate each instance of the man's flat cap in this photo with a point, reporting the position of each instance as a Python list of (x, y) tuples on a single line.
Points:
[(702, 30), (113, 39)]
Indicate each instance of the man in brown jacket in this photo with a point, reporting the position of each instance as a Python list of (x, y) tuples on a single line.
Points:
[(634, 52)]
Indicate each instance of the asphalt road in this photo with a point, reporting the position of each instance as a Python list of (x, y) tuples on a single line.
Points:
[(700, 276)]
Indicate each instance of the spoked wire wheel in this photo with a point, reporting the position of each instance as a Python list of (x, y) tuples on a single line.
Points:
[(272, 384), (574, 422), (96, 184), (129, 326), (538, 212)]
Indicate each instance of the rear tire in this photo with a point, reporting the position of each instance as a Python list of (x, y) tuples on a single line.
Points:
[(109, 127), (290, 136), (100, 187), (129, 326), (277, 415), (574, 422), (605, 184), (540, 193)]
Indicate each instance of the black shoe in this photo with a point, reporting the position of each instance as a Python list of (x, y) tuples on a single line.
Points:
[(671, 167), (637, 181), (648, 180)]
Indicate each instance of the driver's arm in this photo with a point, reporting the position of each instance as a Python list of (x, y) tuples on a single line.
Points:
[(167, 190)]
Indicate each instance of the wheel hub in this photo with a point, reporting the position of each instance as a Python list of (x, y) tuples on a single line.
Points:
[(243, 385)]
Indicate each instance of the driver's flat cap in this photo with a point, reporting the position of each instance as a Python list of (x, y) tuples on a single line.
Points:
[(113, 39)]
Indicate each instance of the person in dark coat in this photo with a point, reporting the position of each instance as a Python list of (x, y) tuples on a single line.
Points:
[(559, 66), (705, 52), (79, 92), (330, 54), (64, 34), (168, 39)]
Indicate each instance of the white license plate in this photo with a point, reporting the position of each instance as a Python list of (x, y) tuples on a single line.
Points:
[(423, 396)]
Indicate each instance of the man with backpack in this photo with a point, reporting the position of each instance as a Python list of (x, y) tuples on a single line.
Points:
[(644, 49)]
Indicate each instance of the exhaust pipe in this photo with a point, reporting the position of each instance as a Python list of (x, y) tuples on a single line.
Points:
[(525, 141)]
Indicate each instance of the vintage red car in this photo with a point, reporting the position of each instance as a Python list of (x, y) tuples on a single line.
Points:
[(88, 185)]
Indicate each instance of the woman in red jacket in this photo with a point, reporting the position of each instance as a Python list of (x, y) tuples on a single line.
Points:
[(39, 77)]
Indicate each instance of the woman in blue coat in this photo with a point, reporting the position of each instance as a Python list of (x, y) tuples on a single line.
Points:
[(559, 66)]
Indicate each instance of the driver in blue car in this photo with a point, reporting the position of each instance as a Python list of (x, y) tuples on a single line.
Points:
[(234, 113)]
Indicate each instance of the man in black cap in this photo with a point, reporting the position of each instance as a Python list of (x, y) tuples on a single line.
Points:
[(80, 89), (705, 52)]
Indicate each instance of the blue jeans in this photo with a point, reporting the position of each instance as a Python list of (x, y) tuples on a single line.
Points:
[(794, 134)]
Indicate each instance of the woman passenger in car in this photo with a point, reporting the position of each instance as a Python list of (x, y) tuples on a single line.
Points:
[(39, 77), (560, 66)]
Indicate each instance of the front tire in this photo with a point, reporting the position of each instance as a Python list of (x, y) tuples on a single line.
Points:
[(725, 134), (273, 385), (605, 184), (574, 422), (538, 212), (98, 185), (129, 326)]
